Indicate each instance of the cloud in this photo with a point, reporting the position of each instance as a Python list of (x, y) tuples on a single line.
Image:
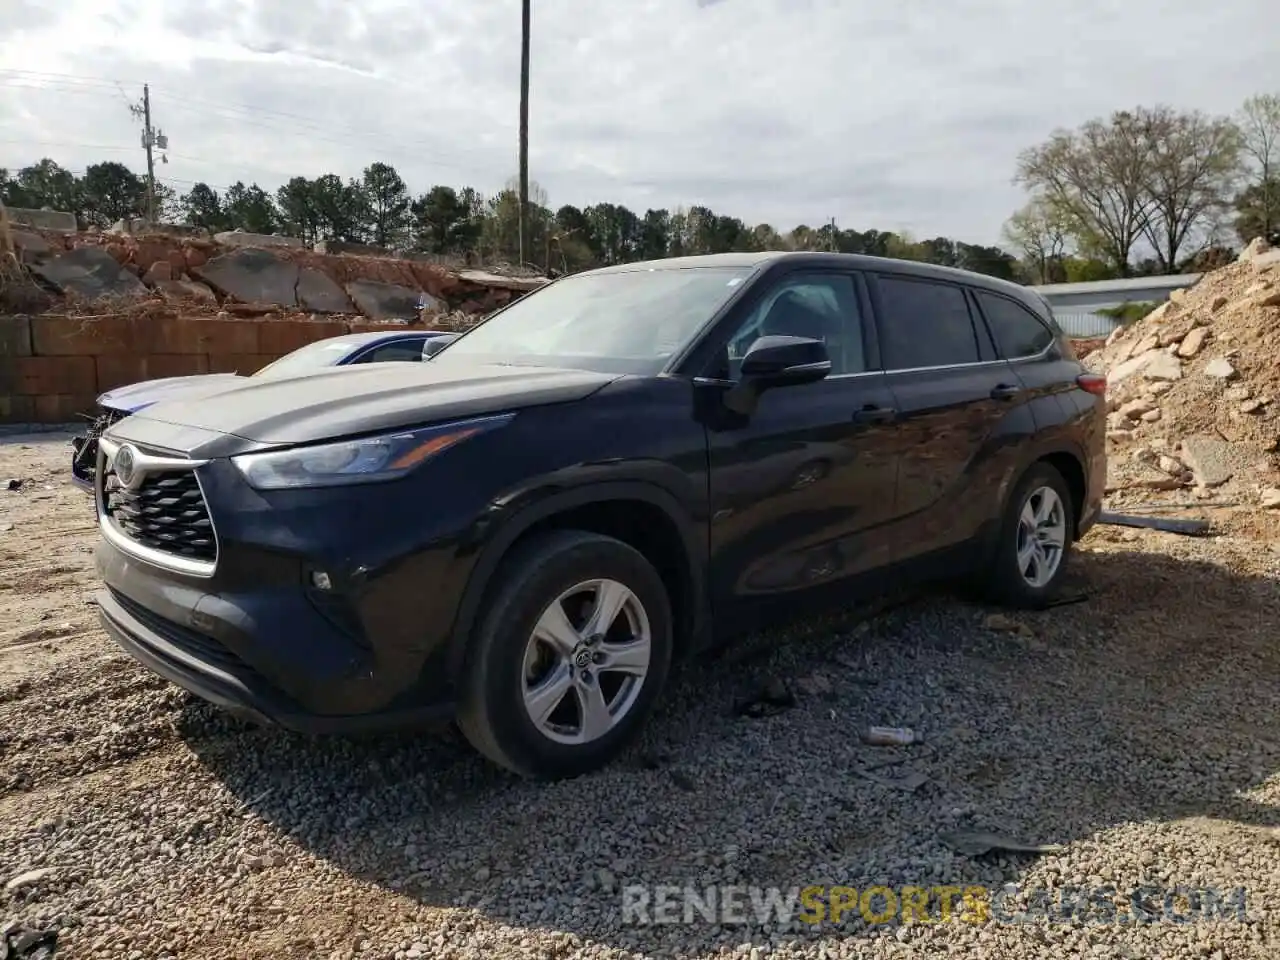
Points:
[(20, 15), (787, 111)]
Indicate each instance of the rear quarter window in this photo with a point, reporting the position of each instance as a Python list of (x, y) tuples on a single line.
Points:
[(1017, 331)]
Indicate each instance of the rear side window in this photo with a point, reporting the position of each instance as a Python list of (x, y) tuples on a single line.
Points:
[(924, 324), (1018, 332)]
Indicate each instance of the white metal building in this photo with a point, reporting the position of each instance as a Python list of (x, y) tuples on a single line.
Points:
[(1075, 305)]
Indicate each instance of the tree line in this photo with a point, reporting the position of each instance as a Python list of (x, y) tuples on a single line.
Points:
[(102, 195), (1144, 191), (1148, 190), (378, 208)]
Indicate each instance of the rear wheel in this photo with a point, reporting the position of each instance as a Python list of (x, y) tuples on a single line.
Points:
[(568, 661), (1034, 541)]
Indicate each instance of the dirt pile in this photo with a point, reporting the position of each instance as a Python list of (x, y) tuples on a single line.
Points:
[(1194, 390)]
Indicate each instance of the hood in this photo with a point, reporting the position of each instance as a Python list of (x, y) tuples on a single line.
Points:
[(344, 401), (138, 396)]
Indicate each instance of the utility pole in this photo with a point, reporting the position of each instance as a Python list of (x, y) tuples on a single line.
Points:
[(524, 128), (151, 139), (148, 140), (832, 239)]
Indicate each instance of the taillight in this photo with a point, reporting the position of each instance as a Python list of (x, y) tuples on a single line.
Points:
[(1092, 383)]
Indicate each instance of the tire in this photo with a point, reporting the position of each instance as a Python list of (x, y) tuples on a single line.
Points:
[(506, 661), (1004, 580)]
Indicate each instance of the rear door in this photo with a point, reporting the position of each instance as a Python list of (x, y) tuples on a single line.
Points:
[(1066, 417), (960, 407), (1048, 374)]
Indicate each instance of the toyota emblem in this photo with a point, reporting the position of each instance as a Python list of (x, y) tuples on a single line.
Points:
[(125, 465)]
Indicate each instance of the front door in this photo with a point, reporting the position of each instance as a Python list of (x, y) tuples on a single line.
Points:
[(799, 487)]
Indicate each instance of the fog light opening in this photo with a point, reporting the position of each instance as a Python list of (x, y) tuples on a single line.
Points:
[(321, 580)]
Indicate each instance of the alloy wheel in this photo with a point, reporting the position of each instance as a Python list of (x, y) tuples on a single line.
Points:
[(1042, 536), (586, 661)]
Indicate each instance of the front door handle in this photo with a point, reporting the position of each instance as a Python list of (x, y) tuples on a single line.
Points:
[(873, 414), (1005, 391)]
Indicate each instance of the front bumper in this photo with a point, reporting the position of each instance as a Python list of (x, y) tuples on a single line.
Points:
[(327, 609), (202, 666), (255, 640)]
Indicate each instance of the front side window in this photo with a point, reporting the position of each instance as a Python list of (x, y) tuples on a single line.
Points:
[(818, 306), (632, 321), (1017, 331), (924, 324)]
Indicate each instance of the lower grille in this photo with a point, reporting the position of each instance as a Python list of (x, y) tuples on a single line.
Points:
[(203, 648), (167, 513)]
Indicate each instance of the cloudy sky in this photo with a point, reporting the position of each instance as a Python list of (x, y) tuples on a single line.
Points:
[(900, 115)]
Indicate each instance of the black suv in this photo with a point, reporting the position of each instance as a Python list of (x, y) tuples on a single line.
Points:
[(612, 471)]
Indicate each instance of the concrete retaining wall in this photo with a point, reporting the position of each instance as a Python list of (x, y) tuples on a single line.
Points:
[(53, 367)]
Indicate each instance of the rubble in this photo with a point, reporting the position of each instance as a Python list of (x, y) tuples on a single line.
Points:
[(1255, 248), (251, 276), (89, 272), (316, 291), (1192, 388), (1192, 342), (186, 290), (1220, 368), (384, 301), (239, 238), (234, 272)]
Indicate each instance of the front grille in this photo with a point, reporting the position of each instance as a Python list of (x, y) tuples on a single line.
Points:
[(167, 513), (203, 648)]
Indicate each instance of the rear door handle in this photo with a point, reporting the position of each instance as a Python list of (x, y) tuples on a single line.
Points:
[(873, 414), (1005, 391)]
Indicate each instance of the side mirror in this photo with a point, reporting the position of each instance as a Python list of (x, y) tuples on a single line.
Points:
[(433, 346), (773, 362), (784, 362)]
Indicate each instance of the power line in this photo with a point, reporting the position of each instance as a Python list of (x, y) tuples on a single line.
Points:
[(65, 143), (245, 114), (67, 77), (315, 131)]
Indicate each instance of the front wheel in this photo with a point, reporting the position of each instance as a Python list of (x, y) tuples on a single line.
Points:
[(568, 661), (1034, 541)]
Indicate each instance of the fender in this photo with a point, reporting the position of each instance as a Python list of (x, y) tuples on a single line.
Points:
[(510, 530), (1038, 452)]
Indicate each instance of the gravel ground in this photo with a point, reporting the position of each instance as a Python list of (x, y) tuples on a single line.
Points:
[(1136, 728)]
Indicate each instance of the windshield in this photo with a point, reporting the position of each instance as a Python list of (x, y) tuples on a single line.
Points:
[(630, 322), (314, 356)]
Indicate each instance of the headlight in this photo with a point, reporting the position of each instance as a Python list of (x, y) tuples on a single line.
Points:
[(364, 460)]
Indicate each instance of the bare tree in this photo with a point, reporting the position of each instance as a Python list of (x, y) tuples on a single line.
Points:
[(1095, 177), (1039, 232), (1259, 123), (1192, 165)]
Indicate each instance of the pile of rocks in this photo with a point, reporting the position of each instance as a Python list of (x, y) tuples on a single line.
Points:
[(251, 275), (1194, 388)]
